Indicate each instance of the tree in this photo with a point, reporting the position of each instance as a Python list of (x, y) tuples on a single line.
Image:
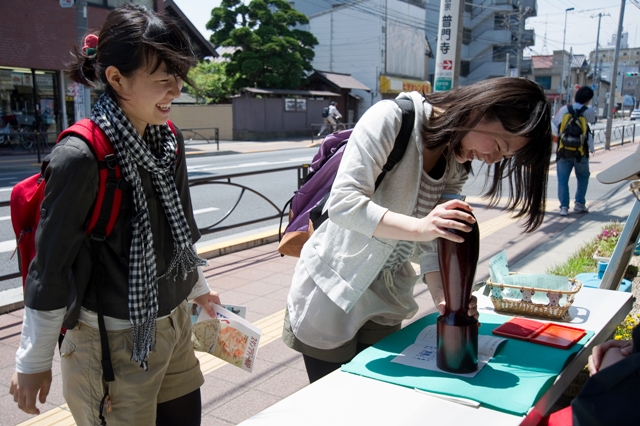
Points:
[(271, 54), (210, 82)]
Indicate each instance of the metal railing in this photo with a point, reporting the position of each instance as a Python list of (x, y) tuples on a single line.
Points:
[(617, 133), (28, 141), (272, 210), (40, 142), (195, 131)]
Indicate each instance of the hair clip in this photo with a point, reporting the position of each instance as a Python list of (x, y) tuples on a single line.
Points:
[(90, 47)]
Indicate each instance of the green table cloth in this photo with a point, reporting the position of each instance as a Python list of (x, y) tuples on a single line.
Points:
[(515, 378)]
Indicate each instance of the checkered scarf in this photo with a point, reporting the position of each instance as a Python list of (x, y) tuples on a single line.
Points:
[(157, 155)]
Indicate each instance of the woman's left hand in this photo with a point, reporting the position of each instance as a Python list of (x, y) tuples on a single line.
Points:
[(205, 302), (434, 283)]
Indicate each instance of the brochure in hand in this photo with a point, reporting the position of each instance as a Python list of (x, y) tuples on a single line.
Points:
[(227, 336)]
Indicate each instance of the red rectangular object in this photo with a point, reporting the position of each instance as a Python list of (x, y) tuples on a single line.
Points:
[(550, 334)]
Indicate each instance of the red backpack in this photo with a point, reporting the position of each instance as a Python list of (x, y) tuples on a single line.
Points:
[(27, 195)]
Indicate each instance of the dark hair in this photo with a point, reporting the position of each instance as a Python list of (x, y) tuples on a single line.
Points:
[(132, 37), (522, 108), (584, 94)]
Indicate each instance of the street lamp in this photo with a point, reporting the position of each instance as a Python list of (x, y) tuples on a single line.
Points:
[(563, 40)]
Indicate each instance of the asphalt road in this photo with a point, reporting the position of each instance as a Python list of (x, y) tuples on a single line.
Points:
[(211, 202)]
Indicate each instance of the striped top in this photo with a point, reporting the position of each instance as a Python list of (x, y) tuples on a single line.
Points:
[(428, 196)]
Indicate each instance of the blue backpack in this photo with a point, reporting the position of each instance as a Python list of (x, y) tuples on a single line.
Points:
[(307, 204)]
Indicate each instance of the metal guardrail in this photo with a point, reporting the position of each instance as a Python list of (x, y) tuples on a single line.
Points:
[(40, 142), (29, 142), (276, 212), (618, 132), (196, 131)]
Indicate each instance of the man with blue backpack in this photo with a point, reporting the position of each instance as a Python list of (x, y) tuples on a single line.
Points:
[(575, 142)]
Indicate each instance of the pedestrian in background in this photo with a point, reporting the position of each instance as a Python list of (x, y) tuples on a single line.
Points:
[(330, 120), (353, 284), (565, 163), (149, 264)]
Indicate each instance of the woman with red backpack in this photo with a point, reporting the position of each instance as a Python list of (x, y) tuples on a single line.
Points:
[(127, 356)]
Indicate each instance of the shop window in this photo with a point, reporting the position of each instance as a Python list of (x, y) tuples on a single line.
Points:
[(466, 36), (500, 53), (545, 82), (465, 66)]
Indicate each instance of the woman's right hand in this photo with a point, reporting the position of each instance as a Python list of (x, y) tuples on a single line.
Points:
[(597, 357), (26, 387), (444, 216), (397, 226)]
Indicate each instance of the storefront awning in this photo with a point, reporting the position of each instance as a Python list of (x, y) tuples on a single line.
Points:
[(397, 85)]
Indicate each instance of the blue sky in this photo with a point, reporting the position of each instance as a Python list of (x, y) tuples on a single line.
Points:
[(581, 30)]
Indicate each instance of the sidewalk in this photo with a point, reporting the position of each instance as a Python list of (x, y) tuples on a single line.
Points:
[(259, 278)]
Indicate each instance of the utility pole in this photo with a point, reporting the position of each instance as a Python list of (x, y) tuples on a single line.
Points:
[(560, 86), (568, 96), (614, 75), (596, 72), (507, 71), (520, 36), (83, 94)]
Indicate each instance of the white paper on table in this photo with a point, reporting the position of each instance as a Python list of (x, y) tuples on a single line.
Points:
[(422, 353), (498, 267)]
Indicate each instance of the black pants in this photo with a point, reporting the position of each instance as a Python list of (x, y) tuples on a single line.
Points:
[(317, 369), (183, 411)]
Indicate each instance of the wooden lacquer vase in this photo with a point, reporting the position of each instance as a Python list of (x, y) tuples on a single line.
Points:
[(457, 331)]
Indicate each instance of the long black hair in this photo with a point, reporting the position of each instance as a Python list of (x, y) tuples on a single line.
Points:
[(521, 107), (133, 37)]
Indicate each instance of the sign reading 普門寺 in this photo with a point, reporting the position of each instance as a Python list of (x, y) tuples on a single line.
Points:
[(446, 54)]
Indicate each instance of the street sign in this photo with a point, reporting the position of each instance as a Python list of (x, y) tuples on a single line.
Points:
[(66, 3), (447, 55), (593, 87), (443, 84)]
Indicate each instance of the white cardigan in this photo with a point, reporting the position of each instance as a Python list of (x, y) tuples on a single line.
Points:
[(342, 256)]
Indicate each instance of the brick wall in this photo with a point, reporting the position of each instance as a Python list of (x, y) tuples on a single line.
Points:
[(40, 34)]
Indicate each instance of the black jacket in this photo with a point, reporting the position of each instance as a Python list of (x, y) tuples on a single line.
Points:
[(61, 273)]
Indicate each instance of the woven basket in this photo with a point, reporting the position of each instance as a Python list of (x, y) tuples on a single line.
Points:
[(517, 306)]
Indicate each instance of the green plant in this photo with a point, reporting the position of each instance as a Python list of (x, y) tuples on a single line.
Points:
[(582, 260), (607, 239), (273, 50), (210, 83), (623, 331)]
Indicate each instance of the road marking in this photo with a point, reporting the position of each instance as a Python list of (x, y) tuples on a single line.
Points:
[(8, 178), (5, 189), (5, 217), (262, 163), (7, 246), (207, 210)]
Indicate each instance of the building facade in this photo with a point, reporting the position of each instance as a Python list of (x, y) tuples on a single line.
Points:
[(628, 68), (490, 39), (380, 43), (38, 36)]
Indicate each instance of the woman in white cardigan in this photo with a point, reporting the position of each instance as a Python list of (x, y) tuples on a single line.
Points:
[(353, 284)]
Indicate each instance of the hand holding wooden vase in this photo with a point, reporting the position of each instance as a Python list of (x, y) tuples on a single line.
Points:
[(457, 331)]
